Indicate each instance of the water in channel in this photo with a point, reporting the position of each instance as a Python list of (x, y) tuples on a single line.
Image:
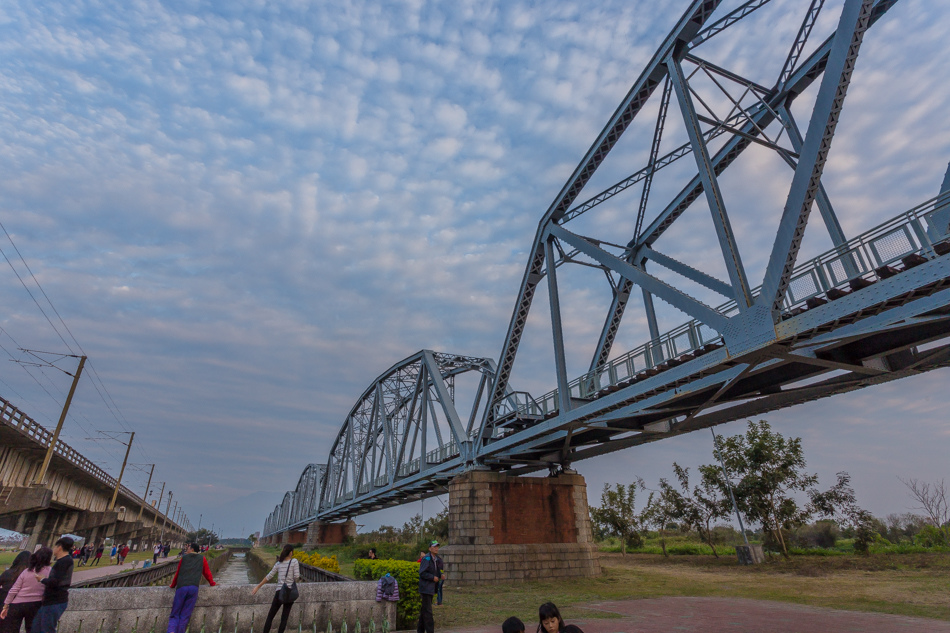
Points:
[(235, 572)]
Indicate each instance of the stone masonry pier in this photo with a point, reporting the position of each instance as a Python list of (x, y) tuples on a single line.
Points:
[(504, 529), (231, 608)]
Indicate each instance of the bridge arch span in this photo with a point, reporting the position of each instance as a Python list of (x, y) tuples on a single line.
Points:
[(421, 414)]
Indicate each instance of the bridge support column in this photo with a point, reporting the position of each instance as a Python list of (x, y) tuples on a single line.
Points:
[(37, 533), (504, 529), (320, 533)]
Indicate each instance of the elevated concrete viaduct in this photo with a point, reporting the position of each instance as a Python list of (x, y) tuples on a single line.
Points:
[(75, 496)]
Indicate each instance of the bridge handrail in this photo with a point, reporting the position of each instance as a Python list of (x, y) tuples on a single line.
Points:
[(135, 578), (317, 574), (834, 268), (17, 419)]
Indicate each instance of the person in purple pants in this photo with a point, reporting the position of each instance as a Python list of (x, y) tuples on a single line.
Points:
[(191, 568)]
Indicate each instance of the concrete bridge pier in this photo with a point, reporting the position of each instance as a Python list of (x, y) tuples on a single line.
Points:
[(504, 528)]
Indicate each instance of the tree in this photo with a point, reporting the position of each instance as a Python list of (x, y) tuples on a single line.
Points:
[(769, 470), (203, 536), (697, 508), (658, 513), (932, 499), (617, 515), (437, 526)]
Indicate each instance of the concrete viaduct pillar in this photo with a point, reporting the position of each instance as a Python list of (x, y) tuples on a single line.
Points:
[(505, 529)]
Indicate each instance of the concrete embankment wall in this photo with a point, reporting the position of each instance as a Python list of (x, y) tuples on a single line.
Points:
[(146, 609), (257, 565)]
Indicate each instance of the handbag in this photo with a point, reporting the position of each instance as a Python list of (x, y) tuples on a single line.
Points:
[(288, 594)]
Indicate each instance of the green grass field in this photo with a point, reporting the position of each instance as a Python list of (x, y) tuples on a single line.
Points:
[(897, 582), (909, 584)]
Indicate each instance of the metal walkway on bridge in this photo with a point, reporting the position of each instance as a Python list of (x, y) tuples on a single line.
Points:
[(870, 309)]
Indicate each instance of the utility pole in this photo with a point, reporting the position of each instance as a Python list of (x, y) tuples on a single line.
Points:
[(118, 482), (732, 496), (41, 473), (147, 486), (158, 508), (165, 516)]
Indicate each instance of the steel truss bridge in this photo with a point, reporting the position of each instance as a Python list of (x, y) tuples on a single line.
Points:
[(871, 309)]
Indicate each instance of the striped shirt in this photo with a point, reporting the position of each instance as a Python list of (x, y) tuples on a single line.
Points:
[(288, 572)]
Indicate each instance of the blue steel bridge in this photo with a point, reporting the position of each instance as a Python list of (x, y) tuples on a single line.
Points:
[(872, 308)]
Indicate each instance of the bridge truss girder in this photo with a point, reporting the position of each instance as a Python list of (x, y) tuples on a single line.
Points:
[(872, 309)]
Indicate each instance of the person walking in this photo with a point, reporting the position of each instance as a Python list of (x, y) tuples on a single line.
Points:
[(156, 552), (115, 552), (9, 576), (99, 550), (123, 553), (26, 596), (56, 592), (288, 573), (191, 568), (431, 570)]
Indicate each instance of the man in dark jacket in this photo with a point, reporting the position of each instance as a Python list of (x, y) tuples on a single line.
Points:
[(56, 590), (431, 571)]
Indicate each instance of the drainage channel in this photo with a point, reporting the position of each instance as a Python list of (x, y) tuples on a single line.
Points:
[(235, 572)]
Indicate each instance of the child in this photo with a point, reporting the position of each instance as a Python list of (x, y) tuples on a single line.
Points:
[(512, 625)]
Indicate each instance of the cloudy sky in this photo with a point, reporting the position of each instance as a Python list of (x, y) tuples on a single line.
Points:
[(245, 211)]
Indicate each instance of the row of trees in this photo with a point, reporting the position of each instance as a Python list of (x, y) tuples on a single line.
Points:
[(414, 530), (767, 478)]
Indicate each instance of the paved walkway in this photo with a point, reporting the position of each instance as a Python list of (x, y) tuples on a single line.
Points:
[(98, 571), (726, 615)]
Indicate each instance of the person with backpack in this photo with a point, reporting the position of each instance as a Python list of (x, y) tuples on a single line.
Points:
[(387, 588), (287, 570)]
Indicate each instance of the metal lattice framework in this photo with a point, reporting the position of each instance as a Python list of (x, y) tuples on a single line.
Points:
[(396, 441), (873, 308)]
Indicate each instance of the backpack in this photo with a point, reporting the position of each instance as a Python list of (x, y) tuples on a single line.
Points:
[(387, 585)]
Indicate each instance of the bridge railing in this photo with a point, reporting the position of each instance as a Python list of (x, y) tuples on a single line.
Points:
[(149, 576), (316, 574), (912, 232)]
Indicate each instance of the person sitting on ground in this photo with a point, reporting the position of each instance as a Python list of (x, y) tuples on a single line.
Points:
[(550, 620), (512, 625)]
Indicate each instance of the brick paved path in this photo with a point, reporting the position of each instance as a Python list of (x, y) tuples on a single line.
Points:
[(723, 615)]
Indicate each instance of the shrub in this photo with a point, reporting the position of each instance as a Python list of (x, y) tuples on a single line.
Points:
[(930, 536), (818, 534), (406, 574), (328, 563)]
